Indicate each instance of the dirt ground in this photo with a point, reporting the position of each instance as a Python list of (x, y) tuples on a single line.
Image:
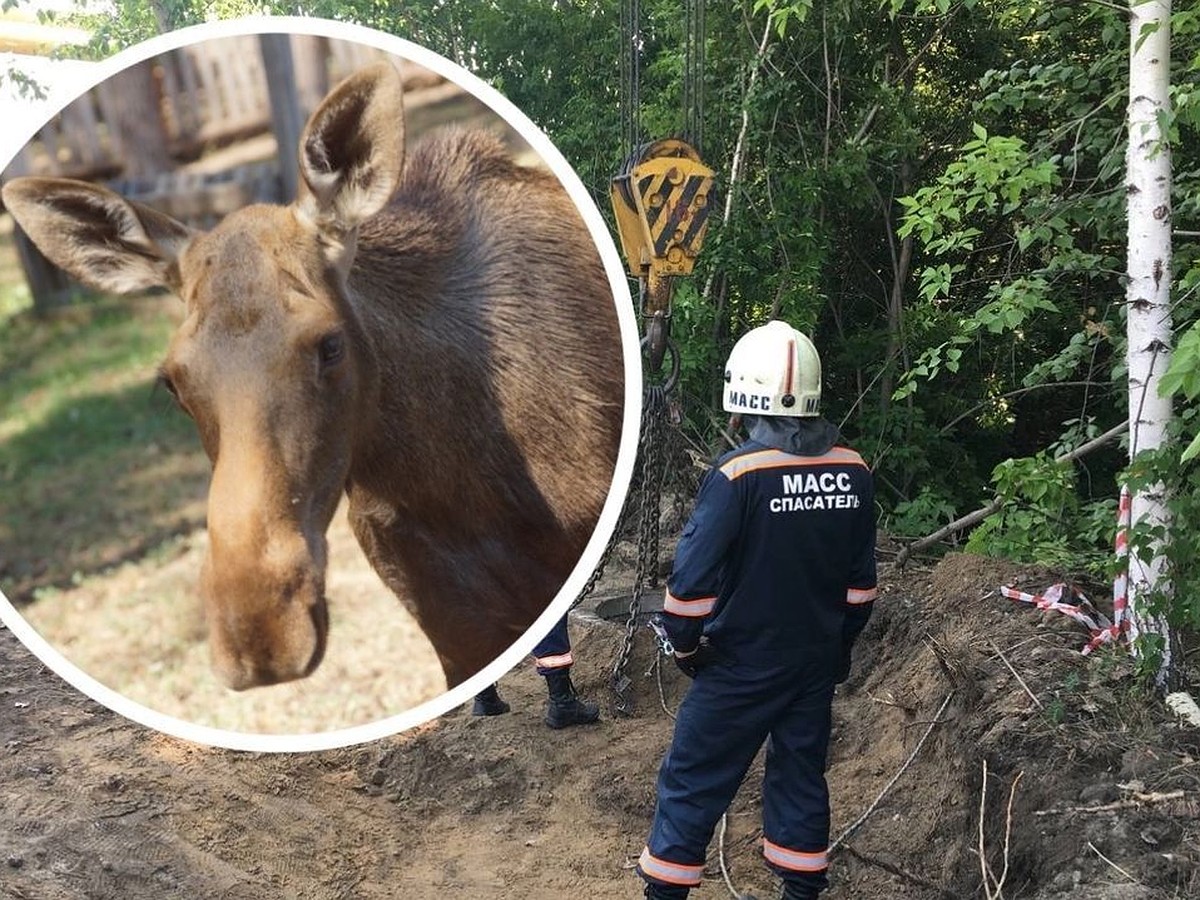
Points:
[(1106, 804)]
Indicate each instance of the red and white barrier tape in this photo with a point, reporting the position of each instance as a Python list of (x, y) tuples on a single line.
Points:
[(1082, 611), (1121, 582)]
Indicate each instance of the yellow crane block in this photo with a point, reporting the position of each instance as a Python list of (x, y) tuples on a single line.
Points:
[(661, 203)]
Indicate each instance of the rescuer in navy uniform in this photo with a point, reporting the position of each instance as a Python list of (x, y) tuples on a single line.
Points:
[(553, 659), (774, 578)]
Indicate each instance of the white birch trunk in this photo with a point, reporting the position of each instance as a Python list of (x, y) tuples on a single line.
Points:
[(1148, 294)]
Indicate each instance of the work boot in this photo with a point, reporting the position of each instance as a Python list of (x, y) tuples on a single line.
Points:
[(564, 707), (663, 892), (488, 703), (795, 890)]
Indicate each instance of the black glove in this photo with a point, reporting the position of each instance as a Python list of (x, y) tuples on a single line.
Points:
[(704, 655)]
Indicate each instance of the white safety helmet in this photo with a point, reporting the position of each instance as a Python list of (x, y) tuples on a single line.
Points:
[(773, 370)]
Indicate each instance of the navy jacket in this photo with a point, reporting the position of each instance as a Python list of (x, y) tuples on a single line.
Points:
[(778, 558)]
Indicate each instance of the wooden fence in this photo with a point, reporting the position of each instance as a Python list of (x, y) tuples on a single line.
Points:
[(207, 95), (142, 130)]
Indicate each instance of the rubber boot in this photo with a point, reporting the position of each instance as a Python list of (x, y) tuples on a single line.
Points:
[(564, 707), (488, 703)]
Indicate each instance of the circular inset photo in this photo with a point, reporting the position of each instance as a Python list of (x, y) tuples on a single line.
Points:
[(319, 385)]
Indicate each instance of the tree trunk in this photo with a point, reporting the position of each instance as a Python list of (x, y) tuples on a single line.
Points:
[(901, 268), (163, 16), (1148, 187)]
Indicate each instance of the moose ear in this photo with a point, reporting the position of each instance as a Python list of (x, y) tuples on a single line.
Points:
[(104, 240), (352, 149)]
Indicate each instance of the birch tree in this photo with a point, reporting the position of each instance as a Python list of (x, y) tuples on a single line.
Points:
[(1148, 188)]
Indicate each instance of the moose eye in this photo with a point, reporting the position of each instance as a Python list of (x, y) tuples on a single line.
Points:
[(331, 349), (163, 380)]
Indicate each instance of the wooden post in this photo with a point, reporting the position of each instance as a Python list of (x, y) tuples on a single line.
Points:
[(286, 120), (139, 126), (49, 286), (311, 57)]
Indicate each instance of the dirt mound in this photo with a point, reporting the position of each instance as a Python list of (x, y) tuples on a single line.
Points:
[(1090, 758), (1105, 806)]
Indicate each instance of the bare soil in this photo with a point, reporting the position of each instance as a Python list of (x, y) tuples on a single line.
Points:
[(1107, 805)]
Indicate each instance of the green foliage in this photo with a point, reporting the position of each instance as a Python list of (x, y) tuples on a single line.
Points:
[(1039, 497), (924, 514), (992, 174), (1183, 378), (994, 177), (1020, 235), (1044, 518), (112, 31), (924, 7), (1056, 710), (28, 88), (782, 13), (1068, 697)]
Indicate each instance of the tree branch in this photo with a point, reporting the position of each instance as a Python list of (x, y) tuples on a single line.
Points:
[(945, 429), (900, 872), (979, 515), (912, 61), (739, 149), (1121, 9)]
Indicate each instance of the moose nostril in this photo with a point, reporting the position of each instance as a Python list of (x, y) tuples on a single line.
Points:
[(320, 619)]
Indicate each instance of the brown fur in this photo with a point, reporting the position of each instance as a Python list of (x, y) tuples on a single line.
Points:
[(473, 418)]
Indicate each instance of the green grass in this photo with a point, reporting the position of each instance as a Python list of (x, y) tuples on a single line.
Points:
[(96, 465)]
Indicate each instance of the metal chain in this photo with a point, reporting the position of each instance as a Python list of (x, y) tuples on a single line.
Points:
[(631, 101), (598, 573), (693, 75), (651, 472)]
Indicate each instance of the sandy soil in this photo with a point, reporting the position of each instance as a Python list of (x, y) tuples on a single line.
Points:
[(1106, 808), (139, 629)]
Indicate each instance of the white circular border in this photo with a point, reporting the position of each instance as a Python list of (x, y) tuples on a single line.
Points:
[(631, 355)]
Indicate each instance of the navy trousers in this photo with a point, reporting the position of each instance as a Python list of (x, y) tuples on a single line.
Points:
[(727, 714), (553, 652)]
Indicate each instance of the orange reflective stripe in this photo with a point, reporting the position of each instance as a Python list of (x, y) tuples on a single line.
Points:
[(690, 608), (858, 596), (775, 459), (795, 860), (671, 873), (554, 662)]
